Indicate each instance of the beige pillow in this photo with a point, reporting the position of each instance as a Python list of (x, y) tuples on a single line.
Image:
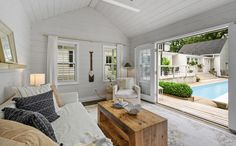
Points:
[(9, 142), (121, 83), (57, 96), (129, 83), (24, 134)]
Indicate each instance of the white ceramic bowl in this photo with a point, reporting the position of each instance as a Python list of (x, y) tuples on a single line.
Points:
[(133, 109)]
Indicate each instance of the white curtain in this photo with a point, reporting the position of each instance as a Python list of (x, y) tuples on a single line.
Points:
[(52, 59), (119, 59)]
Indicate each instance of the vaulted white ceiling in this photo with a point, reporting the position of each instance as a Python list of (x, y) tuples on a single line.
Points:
[(154, 13)]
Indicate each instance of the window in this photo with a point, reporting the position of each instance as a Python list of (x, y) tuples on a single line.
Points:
[(66, 62), (194, 60), (145, 64), (110, 66)]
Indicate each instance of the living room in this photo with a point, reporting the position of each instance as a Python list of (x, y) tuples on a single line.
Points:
[(89, 49)]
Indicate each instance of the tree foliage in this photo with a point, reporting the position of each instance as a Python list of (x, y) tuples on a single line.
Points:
[(176, 45)]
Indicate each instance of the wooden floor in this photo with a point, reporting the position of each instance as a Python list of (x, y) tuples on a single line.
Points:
[(213, 114)]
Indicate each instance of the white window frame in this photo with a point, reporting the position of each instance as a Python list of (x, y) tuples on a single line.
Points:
[(76, 81), (108, 47)]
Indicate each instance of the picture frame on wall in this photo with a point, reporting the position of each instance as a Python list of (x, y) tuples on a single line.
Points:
[(7, 45)]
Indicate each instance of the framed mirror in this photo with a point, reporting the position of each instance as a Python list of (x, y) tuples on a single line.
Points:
[(7, 45)]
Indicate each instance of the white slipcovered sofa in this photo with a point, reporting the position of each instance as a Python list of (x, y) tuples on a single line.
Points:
[(74, 127)]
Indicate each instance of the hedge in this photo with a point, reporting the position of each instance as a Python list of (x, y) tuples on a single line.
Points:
[(177, 89)]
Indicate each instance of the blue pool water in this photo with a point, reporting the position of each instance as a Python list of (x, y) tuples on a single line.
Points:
[(211, 91)]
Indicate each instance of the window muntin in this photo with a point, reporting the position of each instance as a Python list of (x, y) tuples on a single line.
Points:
[(66, 63), (145, 64), (110, 63)]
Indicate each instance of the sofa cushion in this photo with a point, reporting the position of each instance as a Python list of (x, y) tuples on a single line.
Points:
[(9, 142), (126, 93), (75, 126), (30, 118), (34, 90), (14, 132), (42, 103)]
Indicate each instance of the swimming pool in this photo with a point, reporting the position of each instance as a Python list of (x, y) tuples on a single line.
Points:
[(211, 91)]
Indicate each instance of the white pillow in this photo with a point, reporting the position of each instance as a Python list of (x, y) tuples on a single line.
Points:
[(32, 90), (129, 83), (121, 83), (125, 83)]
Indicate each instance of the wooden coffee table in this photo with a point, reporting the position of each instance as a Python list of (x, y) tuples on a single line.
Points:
[(144, 129)]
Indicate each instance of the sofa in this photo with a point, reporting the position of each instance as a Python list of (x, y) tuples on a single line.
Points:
[(74, 127)]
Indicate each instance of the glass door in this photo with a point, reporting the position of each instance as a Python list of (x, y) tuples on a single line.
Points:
[(145, 73)]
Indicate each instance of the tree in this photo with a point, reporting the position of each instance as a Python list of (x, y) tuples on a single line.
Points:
[(176, 45)]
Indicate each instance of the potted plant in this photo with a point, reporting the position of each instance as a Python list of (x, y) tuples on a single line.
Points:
[(165, 62), (191, 64), (199, 66), (197, 79)]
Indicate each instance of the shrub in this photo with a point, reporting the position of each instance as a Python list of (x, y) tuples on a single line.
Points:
[(177, 89)]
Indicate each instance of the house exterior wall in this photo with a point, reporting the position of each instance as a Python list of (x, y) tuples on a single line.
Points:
[(180, 60), (224, 57), (206, 62), (217, 60)]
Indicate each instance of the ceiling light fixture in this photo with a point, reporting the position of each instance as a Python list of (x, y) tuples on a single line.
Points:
[(121, 5)]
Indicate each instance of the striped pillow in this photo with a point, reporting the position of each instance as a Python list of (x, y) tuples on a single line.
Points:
[(34, 90), (42, 103), (30, 118)]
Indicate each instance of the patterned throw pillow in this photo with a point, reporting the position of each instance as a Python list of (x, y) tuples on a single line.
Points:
[(30, 118), (35, 90), (42, 103)]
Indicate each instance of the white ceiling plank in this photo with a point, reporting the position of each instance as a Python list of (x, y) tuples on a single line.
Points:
[(28, 10), (93, 3), (34, 8), (154, 14)]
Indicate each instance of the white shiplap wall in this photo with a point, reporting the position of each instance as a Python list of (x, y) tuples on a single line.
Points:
[(13, 15), (86, 24)]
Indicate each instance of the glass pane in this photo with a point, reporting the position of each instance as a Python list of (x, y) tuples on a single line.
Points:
[(66, 72), (110, 67), (145, 64), (66, 63)]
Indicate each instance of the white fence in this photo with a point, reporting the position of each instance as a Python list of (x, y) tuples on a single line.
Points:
[(168, 71)]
